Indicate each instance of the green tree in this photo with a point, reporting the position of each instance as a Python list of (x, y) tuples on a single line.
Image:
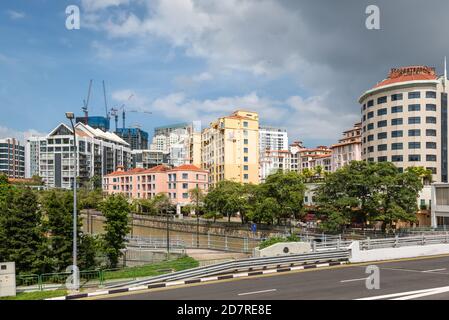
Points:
[(287, 188), (3, 179), (58, 209), (22, 236), (225, 198), (197, 198), (116, 210)]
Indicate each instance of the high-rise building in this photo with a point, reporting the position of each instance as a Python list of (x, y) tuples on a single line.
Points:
[(272, 139), (405, 120), (273, 161), (96, 122), (147, 159), (230, 148), (99, 153), (308, 158), (136, 137), (181, 141), (12, 158), (348, 149)]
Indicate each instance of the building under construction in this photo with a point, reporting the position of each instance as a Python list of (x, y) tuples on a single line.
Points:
[(137, 138)]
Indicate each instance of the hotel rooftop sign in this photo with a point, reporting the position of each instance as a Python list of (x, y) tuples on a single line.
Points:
[(408, 71)]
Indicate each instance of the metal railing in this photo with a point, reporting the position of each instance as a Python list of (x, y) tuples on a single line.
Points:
[(397, 241), (245, 264)]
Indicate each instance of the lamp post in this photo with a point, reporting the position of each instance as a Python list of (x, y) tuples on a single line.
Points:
[(71, 116)]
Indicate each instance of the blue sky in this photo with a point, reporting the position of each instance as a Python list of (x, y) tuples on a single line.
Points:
[(298, 64)]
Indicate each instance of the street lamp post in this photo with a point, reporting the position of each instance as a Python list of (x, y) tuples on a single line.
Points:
[(71, 116)]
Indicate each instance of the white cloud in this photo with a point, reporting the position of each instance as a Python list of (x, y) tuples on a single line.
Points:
[(94, 5), (15, 14), (6, 132)]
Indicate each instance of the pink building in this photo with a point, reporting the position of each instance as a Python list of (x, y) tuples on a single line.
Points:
[(142, 183)]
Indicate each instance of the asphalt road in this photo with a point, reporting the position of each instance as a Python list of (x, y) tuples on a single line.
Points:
[(398, 280)]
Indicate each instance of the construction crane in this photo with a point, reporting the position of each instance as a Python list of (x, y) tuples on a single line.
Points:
[(85, 107), (105, 102)]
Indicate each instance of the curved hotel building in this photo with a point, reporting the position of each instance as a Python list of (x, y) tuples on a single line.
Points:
[(404, 120)]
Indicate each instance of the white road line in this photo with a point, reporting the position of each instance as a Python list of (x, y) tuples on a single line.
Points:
[(255, 292), (393, 295), (424, 294), (351, 280), (434, 270)]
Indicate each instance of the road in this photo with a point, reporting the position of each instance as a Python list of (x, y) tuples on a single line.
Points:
[(398, 280)]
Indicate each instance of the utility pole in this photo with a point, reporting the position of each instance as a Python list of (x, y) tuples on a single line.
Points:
[(71, 116)]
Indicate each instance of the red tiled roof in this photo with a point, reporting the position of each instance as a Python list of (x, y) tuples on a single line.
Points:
[(411, 73), (159, 168), (187, 167)]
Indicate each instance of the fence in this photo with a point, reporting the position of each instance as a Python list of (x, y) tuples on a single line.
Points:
[(397, 241), (200, 241)]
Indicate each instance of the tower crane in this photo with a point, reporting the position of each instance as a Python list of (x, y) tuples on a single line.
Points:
[(85, 107)]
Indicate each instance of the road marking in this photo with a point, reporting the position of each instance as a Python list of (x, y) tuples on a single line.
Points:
[(351, 280), (256, 292), (434, 270), (407, 295)]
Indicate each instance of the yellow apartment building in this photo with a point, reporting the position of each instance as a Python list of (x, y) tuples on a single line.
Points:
[(230, 148)]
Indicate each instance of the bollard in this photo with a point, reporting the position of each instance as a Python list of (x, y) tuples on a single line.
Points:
[(208, 240), (226, 242)]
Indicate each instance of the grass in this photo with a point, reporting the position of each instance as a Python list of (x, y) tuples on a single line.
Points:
[(153, 269), (37, 295)]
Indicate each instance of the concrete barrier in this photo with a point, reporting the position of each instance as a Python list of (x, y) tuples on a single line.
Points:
[(358, 255), (283, 248)]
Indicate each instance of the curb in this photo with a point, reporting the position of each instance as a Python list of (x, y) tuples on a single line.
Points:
[(206, 279)]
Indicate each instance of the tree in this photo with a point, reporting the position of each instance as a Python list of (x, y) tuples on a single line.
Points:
[(58, 208), (3, 179), (116, 210), (197, 198), (287, 188), (364, 191), (22, 237), (226, 198)]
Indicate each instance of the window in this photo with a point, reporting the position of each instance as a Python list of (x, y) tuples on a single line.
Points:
[(370, 126), (382, 159), (414, 157), (245, 141), (245, 167), (431, 132), (185, 175), (245, 150), (431, 145), (431, 107), (396, 121), (396, 109), (370, 149), (381, 100), (414, 95), (396, 146), (414, 120), (382, 135), (396, 97), (397, 158), (431, 120), (245, 124), (431, 94), (433, 170), (370, 103), (370, 159), (185, 195), (381, 124), (185, 185), (414, 132), (414, 145), (245, 159), (382, 112), (382, 147), (370, 114), (414, 107), (371, 137), (396, 134), (431, 157), (246, 176)]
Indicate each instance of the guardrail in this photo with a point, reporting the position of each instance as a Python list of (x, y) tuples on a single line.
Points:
[(235, 266)]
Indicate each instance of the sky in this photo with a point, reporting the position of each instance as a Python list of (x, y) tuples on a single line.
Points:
[(301, 64)]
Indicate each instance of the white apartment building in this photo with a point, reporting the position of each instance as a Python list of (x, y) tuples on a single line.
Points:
[(271, 138), (272, 161), (348, 149), (99, 153)]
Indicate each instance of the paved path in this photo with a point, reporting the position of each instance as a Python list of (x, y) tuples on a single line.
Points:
[(405, 279)]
